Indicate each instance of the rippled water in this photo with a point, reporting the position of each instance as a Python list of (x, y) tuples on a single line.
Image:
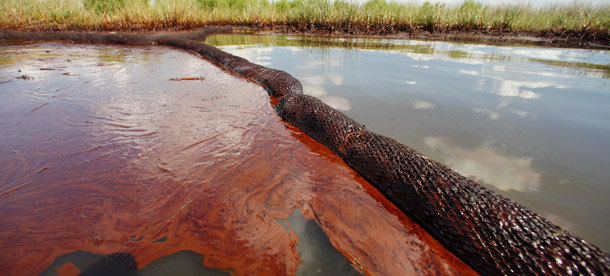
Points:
[(530, 123), (159, 155)]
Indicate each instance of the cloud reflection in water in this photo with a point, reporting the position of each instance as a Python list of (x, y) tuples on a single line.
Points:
[(423, 105), (491, 114), (487, 164), (523, 120)]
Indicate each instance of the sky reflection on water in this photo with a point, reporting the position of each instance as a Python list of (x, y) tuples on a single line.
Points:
[(531, 123)]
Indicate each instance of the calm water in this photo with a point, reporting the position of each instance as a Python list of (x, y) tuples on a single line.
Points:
[(530, 123)]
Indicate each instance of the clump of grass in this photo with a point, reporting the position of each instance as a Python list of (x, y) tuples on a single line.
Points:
[(372, 17), (104, 6)]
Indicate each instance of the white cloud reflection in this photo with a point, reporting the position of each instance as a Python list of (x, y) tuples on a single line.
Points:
[(423, 105), (335, 78), (337, 102), (319, 71), (319, 92), (489, 113), (315, 83), (523, 113), (314, 80), (511, 88), (489, 165), (515, 88), (257, 55), (314, 90), (469, 72)]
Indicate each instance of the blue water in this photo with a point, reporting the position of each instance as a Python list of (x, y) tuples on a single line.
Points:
[(530, 123)]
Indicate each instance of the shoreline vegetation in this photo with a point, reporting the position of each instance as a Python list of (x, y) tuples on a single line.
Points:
[(580, 24)]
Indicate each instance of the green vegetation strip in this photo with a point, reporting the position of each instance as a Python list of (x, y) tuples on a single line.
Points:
[(372, 17)]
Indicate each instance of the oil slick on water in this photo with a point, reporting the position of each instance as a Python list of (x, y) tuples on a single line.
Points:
[(102, 152)]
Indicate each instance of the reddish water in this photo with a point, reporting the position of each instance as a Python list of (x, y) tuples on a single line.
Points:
[(102, 151)]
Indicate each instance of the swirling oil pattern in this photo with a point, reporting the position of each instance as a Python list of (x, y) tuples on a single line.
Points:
[(152, 151)]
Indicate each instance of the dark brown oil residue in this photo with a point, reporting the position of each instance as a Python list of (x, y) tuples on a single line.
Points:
[(101, 152)]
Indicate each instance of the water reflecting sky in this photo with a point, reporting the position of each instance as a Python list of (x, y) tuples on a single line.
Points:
[(531, 123)]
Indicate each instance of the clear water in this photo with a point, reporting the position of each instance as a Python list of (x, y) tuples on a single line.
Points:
[(530, 123)]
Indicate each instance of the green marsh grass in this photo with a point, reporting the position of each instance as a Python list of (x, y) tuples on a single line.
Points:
[(372, 17)]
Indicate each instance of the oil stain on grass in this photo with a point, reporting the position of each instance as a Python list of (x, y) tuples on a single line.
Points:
[(372, 17)]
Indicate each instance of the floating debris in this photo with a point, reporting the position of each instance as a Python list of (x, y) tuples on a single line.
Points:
[(181, 79)]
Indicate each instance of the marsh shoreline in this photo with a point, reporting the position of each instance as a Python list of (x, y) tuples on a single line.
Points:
[(563, 39), (560, 39)]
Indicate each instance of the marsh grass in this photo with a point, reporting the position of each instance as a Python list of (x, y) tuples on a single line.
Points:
[(372, 17)]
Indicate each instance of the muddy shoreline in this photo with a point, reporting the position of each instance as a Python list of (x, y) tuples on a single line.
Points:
[(583, 39), (560, 39)]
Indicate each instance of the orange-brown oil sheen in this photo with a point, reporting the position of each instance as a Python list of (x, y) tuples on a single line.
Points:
[(100, 151)]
